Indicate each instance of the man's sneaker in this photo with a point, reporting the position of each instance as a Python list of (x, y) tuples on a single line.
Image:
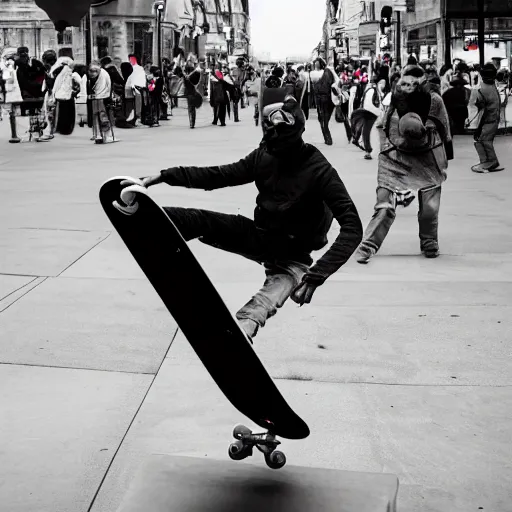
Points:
[(363, 254), (430, 249), (368, 156)]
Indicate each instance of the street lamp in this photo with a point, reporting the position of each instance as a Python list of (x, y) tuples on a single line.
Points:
[(159, 8)]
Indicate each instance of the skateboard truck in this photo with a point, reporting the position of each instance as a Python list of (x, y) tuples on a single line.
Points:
[(265, 442)]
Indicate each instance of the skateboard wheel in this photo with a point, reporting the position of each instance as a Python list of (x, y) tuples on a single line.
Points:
[(238, 451), (240, 431), (276, 460)]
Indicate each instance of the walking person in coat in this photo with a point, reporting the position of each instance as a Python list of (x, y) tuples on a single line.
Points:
[(488, 105), (363, 119), (219, 97), (99, 94), (414, 158), (191, 80), (323, 97)]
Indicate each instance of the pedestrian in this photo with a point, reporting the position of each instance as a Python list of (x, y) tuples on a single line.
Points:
[(128, 98), (364, 118), (118, 90), (323, 97), (305, 79), (10, 85), (456, 102), (138, 83), (99, 92), (488, 104), (81, 99), (155, 91), (252, 88), (299, 195), (65, 89), (192, 79), (49, 58), (238, 75), (414, 158), (219, 97)]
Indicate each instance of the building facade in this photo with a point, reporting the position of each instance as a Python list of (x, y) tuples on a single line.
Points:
[(439, 30), (123, 27)]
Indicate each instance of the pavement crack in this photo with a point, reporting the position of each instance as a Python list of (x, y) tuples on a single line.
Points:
[(57, 229), (82, 368), (27, 292), (107, 471), (86, 252), (403, 384), (18, 289)]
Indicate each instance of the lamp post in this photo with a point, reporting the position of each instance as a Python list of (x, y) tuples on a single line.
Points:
[(159, 8), (399, 6)]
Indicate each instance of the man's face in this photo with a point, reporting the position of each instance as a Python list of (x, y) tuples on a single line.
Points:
[(409, 84)]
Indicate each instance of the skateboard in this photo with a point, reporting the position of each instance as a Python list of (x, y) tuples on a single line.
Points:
[(210, 328)]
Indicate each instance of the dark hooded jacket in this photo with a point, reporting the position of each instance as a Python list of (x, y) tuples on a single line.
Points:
[(297, 200)]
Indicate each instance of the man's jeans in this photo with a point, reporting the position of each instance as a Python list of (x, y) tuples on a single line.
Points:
[(385, 213), (237, 234), (484, 145)]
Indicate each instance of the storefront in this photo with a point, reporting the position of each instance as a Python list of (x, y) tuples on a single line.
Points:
[(422, 41), (497, 41), (369, 39), (495, 37)]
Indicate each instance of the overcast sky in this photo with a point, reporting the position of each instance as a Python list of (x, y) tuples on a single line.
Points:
[(286, 28)]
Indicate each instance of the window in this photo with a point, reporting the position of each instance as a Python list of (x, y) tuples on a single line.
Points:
[(65, 37), (140, 41)]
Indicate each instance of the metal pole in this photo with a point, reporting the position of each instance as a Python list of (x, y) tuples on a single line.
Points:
[(326, 30), (88, 38), (159, 38), (481, 32), (398, 38)]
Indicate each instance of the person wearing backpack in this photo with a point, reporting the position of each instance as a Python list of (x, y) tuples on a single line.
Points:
[(364, 118)]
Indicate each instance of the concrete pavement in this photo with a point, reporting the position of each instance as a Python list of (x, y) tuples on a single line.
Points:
[(402, 366)]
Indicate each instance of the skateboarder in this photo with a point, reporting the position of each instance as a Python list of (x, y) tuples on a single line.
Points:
[(299, 194)]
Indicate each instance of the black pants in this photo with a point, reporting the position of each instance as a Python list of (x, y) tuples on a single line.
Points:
[(325, 108), (362, 124), (235, 111), (342, 109), (284, 268), (191, 111), (219, 114)]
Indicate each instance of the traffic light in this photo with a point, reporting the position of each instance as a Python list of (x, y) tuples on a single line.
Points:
[(386, 19)]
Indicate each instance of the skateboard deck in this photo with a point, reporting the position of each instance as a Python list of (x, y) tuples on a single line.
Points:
[(189, 295)]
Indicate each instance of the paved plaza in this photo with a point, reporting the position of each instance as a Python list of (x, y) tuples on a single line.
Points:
[(402, 366)]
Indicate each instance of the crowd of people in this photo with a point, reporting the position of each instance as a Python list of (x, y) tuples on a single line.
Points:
[(59, 93)]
